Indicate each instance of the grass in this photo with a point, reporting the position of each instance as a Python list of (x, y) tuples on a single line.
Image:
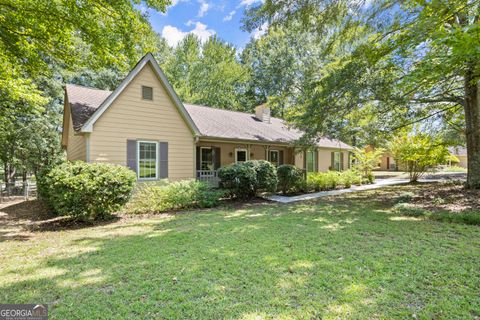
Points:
[(350, 256)]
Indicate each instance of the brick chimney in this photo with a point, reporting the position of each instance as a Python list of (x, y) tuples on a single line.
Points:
[(262, 113)]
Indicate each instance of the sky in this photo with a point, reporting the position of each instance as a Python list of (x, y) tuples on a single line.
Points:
[(204, 18)]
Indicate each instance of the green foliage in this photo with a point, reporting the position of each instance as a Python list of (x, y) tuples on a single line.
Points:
[(239, 179), (418, 153), (367, 160), (86, 191), (187, 194), (244, 180), (322, 181), (267, 179), (290, 179), (207, 73), (386, 67)]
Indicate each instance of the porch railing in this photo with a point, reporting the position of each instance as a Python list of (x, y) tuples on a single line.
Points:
[(209, 176)]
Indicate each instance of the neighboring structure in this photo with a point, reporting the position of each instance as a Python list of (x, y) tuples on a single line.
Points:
[(144, 125), (461, 153), (387, 161)]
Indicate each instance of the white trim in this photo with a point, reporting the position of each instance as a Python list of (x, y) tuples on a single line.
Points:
[(87, 147), (157, 160), (246, 154), (278, 156), (148, 58)]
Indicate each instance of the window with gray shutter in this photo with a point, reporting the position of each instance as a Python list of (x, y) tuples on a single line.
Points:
[(147, 93)]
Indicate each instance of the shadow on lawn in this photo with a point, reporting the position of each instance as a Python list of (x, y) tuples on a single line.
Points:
[(18, 219), (298, 261)]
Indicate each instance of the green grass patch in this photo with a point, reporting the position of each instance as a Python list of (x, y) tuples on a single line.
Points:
[(344, 257)]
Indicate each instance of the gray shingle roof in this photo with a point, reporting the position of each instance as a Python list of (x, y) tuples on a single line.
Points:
[(219, 123), (212, 122), (83, 102)]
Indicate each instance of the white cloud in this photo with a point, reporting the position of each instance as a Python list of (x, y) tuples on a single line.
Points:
[(229, 16), (204, 6), (248, 3), (174, 35), (189, 23), (202, 32), (260, 31)]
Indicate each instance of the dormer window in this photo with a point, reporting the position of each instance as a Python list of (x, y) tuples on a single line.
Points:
[(147, 93)]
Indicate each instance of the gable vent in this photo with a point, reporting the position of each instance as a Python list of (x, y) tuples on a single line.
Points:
[(147, 93)]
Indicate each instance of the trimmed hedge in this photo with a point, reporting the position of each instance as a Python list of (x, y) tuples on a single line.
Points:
[(155, 198), (86, 191), (244, 180), (321, 181), (290, 179)]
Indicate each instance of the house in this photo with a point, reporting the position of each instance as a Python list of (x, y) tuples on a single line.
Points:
[(387, 161), (461, 154), (143, 124)]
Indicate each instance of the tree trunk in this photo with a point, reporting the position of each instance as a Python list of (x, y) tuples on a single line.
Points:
[(472, 121)]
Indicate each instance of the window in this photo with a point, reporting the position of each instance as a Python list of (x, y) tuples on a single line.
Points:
[(206, 159), (147, 160), (274, 157), (311, 163), (337, 164), (147, 93), (241, 155)]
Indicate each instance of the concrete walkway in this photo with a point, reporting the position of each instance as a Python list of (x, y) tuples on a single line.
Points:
[(378, 184)]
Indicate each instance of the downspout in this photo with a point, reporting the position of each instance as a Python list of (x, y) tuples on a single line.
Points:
[(87, 147)]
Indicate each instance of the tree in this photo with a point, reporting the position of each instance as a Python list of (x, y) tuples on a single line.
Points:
[(411, 61), (417, 153), (44, 44), (367, 160), (207, 73)]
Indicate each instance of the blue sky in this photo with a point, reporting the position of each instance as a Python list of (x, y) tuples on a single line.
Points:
[(204, 18)]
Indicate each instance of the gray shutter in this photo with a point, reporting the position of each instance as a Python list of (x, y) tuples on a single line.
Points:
[(163, 160), (132, 155), (315, 158), (349, 160), (216, 157), (332, 164), (342, 165), (280, 157)]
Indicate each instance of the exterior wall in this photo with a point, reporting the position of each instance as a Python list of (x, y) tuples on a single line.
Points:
[(384, 162), (76, 145), (131, 117), (463, 161), (325, 159), (257, 152)]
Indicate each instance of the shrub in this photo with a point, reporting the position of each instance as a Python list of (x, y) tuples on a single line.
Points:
[(267, 179), (321, 181), (244, 180), (350, 177), (290, 178), (239, 179), (155, 198), (86, 191)]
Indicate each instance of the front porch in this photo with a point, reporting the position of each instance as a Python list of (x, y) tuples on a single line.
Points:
[(212, 155)]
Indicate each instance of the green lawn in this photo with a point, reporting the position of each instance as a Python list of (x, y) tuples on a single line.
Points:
[(343, 257)]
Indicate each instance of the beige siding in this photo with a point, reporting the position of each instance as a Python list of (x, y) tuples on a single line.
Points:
[(257, 152), (76, 146), (131, 117), (325, 159), (463, 161)]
